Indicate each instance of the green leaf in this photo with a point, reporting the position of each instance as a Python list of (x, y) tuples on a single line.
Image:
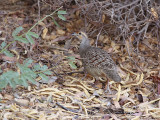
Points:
[(32, 81), (55, 22), (26, 74), (26, 70), (17, 30), (3, 82), (72, 65), (21, 39), (43, 76), (29, 38), (71, 62), (1, 70), (36, 67), (47, 72), (62, 12), (18, 81), (61, 17), (33, 74), (24, 81), (7, 53), (29, 78), (71, 58), (12, 83), (18, 65), (33, 34), (3, 45), (44, 67), (27, 62), (8, 78)]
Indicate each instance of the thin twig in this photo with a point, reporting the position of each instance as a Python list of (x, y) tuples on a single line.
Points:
[(98, 35), (68, 109)]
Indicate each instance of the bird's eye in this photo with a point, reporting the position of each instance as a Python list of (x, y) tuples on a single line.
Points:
[(79, 33)]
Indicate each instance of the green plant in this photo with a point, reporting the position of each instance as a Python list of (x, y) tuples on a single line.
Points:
[(60, 14), (71, 62), (25, 73), (27, 37), (5, 51)]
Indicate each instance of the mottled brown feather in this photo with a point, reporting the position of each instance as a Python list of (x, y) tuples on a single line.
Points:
[(96, 61)]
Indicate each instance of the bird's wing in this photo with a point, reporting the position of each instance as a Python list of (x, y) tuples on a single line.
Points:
[(99, 58)]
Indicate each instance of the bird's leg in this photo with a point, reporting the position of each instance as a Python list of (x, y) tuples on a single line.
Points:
[(107, 88)]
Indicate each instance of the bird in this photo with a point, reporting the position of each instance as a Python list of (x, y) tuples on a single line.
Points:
[(96, 62)]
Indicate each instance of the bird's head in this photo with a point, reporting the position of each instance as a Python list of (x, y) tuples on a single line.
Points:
[(80, 35)]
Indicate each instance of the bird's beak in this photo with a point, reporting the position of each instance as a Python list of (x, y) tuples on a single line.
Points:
[(74, 34)]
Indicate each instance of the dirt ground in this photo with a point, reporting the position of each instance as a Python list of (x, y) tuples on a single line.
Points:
[(67, 94)]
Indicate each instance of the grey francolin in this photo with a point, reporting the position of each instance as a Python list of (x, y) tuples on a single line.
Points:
[(96, 61)]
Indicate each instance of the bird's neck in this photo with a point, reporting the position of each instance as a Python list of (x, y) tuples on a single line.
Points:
[(85, 43)]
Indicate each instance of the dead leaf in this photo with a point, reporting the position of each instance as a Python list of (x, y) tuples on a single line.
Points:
[(154, 13), (60, 32), (45, 31), (22, 102), (103, 18)]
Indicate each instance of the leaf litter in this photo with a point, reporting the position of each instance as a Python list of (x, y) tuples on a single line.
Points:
[(137, 97)]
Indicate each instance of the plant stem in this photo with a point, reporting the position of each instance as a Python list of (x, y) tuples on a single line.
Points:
[(44, 18), (31, 28)]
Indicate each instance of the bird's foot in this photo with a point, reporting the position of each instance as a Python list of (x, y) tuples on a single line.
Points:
[(108, 90)]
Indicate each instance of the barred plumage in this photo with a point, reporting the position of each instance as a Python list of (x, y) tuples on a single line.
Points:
[(96, 61)]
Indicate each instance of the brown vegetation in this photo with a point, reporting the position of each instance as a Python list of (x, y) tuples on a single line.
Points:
[(127, 29)]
